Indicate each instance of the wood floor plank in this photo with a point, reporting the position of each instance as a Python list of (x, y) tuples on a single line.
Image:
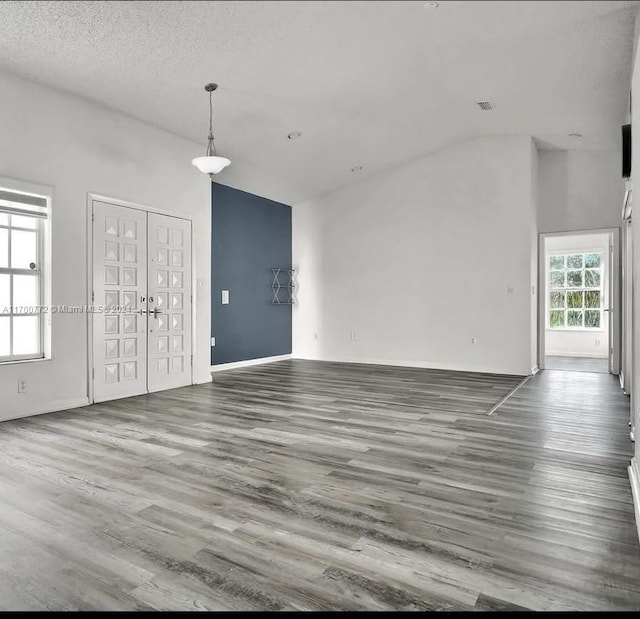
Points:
[(304, 485)]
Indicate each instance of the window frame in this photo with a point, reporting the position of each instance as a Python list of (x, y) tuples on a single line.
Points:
[(602, 289), (42, 272)]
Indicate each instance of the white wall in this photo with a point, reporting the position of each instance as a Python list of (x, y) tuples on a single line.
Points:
[(579, 190), (569, 342), (533, 267), (421, 259), (577, 344), (635, 178), (51, 138)]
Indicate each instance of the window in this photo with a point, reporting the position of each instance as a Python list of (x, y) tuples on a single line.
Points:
[(575, 291), (23, 220)]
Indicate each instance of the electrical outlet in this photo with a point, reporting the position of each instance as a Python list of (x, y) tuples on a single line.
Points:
[(213, 342), (473, 341), (316, 336), (22, 386), (353, 336), (225, 297), (598, 342)]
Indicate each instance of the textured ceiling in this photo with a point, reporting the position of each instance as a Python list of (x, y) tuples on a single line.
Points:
[(374, 84)]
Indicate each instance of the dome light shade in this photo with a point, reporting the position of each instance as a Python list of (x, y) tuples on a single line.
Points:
[(211, 165)]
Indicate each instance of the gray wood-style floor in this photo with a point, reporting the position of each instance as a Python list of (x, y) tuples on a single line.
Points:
[(577, 364), (308, 485)]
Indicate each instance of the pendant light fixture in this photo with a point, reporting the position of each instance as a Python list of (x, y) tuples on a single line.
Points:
[(211, 163)]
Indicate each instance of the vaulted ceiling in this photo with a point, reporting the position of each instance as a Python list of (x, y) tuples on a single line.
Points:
[(371, 84)]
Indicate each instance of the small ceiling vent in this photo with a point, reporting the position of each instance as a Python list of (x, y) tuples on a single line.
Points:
[(486, 106)]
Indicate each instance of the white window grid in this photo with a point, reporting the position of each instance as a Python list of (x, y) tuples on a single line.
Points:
[(583, 289), (8, 211)]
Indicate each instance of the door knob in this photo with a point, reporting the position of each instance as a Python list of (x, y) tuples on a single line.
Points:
[(154, 312)]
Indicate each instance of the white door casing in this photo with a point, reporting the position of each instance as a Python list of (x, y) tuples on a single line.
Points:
[(169, 287), (612, 293), (628, 322), (119, 285), (614, 314), (627, 307)]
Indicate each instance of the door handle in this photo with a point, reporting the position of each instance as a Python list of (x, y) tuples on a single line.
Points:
[(154, 312)]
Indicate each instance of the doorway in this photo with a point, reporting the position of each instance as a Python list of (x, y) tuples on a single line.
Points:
[(141, 297), (579, 282)]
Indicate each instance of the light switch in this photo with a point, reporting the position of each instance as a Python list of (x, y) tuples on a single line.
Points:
[(225, 297)]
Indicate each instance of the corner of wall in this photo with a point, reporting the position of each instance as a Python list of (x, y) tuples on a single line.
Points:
[(307, 330), (534, 266)]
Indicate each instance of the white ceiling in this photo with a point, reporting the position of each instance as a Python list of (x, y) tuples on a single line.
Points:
[(367, 83)]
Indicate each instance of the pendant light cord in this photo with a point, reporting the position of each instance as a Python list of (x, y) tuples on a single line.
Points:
[(211, 147), (210, 114)]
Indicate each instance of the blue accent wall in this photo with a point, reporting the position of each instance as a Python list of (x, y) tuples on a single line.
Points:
[(250, 236)]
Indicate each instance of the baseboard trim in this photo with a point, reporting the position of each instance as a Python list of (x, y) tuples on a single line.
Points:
[(634, 478), (425, 365), (587, 355), (62, 405), (250, 362), (203, 380)]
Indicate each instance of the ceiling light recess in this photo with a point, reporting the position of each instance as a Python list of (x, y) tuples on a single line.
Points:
[(211, 163), (431, 5), (575, 136), (485, 106), (356, 168), (294, 135)]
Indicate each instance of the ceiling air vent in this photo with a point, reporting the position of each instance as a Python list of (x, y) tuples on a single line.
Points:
[(486, 106)]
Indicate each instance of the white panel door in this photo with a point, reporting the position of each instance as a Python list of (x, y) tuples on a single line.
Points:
[(120, 286), (169, 289)]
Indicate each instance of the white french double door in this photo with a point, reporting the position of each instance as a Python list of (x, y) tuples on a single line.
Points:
[(142, 302)]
